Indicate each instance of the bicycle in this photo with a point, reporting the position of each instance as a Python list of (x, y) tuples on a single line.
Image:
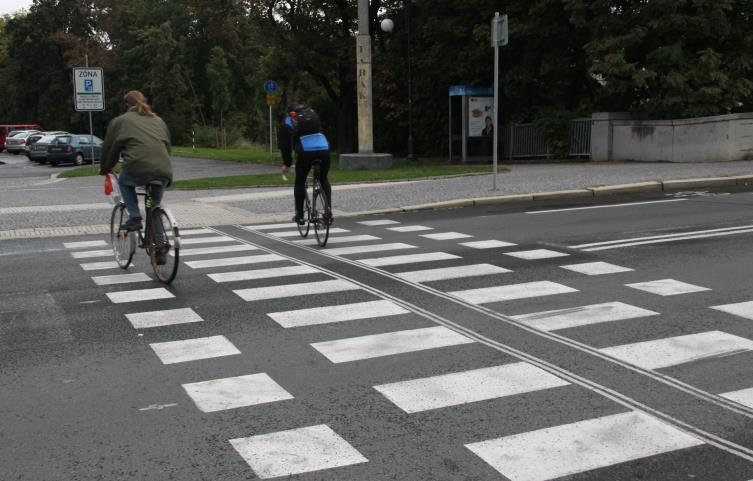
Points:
[(316, 211), (160, 237)]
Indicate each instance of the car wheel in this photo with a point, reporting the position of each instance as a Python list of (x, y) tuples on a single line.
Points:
[(79, 159)]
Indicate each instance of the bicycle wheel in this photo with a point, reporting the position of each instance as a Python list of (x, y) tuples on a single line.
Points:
[(321, 215), (123, 242), (163, 246), (303, 229)]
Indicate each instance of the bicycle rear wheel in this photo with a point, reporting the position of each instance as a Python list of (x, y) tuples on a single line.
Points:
[(321, 216), (164, 246), (122, 241), (303, 229)]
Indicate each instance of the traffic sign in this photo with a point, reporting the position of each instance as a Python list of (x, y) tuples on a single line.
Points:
[(271, 99), (270, 86), (499, 30), (89, 89)]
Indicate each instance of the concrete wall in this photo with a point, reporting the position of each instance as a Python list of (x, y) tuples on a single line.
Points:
[(618, 136)]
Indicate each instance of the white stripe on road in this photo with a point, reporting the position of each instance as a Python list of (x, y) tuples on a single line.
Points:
[(388, 344), (369, 248), (410, 228), (658, 237), (341, 313), (583, 316), (339, 240), (169, 317), (139, 295), (742, 309), (99, 266), (90, 254), (81, 244), (627, 204), (408, 259), (263, 273), (200, 251), (487, 244), (297, 451), (288, 290), (512, 292), (173, 352), (661, 241), (235, 392), (458, 272), (469, 386), (743, 396), (196, 232), (667, 287), (446, 236), (596, 268), (235, 261), (288, 225), (207, 240), (121, 279), (295, 233), (536, 254), (672, 351), (378, 222), (574, 448)]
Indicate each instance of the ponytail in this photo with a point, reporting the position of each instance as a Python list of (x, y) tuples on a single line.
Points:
[(134, 98)]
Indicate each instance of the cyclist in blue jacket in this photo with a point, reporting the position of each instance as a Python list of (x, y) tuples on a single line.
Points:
[(301, 132)]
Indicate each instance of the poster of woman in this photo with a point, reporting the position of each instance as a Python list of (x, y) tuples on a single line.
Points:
[(480, 116)]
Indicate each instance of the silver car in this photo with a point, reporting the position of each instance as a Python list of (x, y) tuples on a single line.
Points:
[(17, 144), (38, 151)]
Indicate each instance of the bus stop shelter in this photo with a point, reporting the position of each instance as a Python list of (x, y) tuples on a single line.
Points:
[(470, 123)]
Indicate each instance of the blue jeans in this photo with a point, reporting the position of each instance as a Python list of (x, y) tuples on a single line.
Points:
[(128, 184)]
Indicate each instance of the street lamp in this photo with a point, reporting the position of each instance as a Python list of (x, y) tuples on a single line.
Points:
[(387, 25)]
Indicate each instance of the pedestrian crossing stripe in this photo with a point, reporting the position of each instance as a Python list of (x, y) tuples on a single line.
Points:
[(235, 261), (100, 266), (582, 316), (235, 392), (82, 244), (446, 236), (339, 240), (168, 317), (196, 232), (667, 287), (458, 272), (173, 352), (408, 259), (596, 268), (121, 279), (263, 273), (372, 223), (295, 233), (288, 290), (288, 225), (206, 240), (90, 254), (741, 309), (487, 244), (410, 228), (536, 254), (198, 251), (140, 295), (341, 251), (743, 396), (338, 313), (512, 292)]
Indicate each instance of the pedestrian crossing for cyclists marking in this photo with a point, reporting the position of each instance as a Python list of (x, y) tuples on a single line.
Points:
[(206, 240), (200, 251), (512, 292), (287, 225), (583, 316), (487, 244), (173, 352), (743, 396), (168, 317), (288, 290), (196, 232), (672, 351), (263, 273), (295, 233), (408, 259), (388, 344), (341, 251), (339, 240), (91, 254), (582, 446), (536, 254), (121, 279), (100, 266), (339, 313), (741, 309), (596, 268), (410, 228), (667, 287), (140, 295), (446, 236), (234, 261), (296, 451), (372, 223), (235, 392), (445, 273), (82, 244), (458, 388)]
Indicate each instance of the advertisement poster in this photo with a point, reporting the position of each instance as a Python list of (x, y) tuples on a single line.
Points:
[(480, 116)]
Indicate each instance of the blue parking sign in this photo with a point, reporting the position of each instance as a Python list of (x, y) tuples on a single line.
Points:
[(89, 85), (270, 86)]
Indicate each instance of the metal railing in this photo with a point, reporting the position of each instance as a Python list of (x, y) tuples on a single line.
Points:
[(525, 141), (580, 138)]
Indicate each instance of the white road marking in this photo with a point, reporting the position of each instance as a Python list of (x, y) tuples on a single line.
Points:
[(457, 272), (596, 268), (169, 317), (627, 204), (369, 248), (511, 292), (82, 244), (536, 254), (378, 222), (674, 239), (295, 233), (339, 240), (196, 232), (173, 352), (90, 254), (121, 279), (98, 266), (199, 251), (743, 396), (234, 261), (667, 287), (446, 236), (469, 386), (672, 351), (583, 316), (410, 228), (206, 240), (742, 309), (139, 295), (288, 225), (235, 392), (263, 273), (288, 290), (408, 259), (158, 407), (388, 344), (297, 451), (682, 235), (582, 446), (487, 244), (340, 313)]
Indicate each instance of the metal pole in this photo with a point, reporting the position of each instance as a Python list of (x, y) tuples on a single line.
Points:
[(91, 131), (496, 111), (411, 154), (270, 132)]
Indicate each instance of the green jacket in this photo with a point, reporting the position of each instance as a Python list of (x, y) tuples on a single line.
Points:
[(144, 143)]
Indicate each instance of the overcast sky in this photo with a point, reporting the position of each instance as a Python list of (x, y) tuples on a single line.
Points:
[(8, 6)]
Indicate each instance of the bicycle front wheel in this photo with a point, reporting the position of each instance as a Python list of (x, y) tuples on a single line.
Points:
[(164, 246), (321, 216), (122, 241), (303, 229)]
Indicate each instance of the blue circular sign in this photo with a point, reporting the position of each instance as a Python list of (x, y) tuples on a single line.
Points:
[(270, 86)]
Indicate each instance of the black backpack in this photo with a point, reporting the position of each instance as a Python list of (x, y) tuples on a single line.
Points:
[(307, 121)]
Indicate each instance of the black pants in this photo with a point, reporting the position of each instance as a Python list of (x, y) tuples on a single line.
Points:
[(302, 167)]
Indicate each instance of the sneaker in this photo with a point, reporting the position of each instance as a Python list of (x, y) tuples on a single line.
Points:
[(298, 219), (132, 224)]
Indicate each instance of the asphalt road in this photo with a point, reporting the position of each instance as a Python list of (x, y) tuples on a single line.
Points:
[(484, 361)]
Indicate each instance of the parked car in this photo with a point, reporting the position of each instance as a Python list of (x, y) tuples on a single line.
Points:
[(16, 143), (5, 129), (38, 151), (74, 148), (31, 140)]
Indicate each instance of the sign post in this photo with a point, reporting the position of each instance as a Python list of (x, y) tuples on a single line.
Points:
[(89, 96), (499, 38), (270, 87)]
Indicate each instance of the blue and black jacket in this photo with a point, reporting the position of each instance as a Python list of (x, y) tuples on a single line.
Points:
[(288, 141)]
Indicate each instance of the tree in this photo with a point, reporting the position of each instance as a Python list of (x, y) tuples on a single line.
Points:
[(219, 85)]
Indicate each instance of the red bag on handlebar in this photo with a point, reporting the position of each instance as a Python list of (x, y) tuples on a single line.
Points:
[(108, 185)]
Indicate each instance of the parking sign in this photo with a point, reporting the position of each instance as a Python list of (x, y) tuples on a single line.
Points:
[(89, 89)]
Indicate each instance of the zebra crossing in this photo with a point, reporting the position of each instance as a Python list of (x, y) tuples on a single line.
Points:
[(536, 455)]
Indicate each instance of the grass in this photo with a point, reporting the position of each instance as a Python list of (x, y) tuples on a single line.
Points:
[(85, 171), (251, 155)]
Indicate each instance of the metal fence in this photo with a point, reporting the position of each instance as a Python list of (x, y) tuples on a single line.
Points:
[(580, 138), (525, 141)]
